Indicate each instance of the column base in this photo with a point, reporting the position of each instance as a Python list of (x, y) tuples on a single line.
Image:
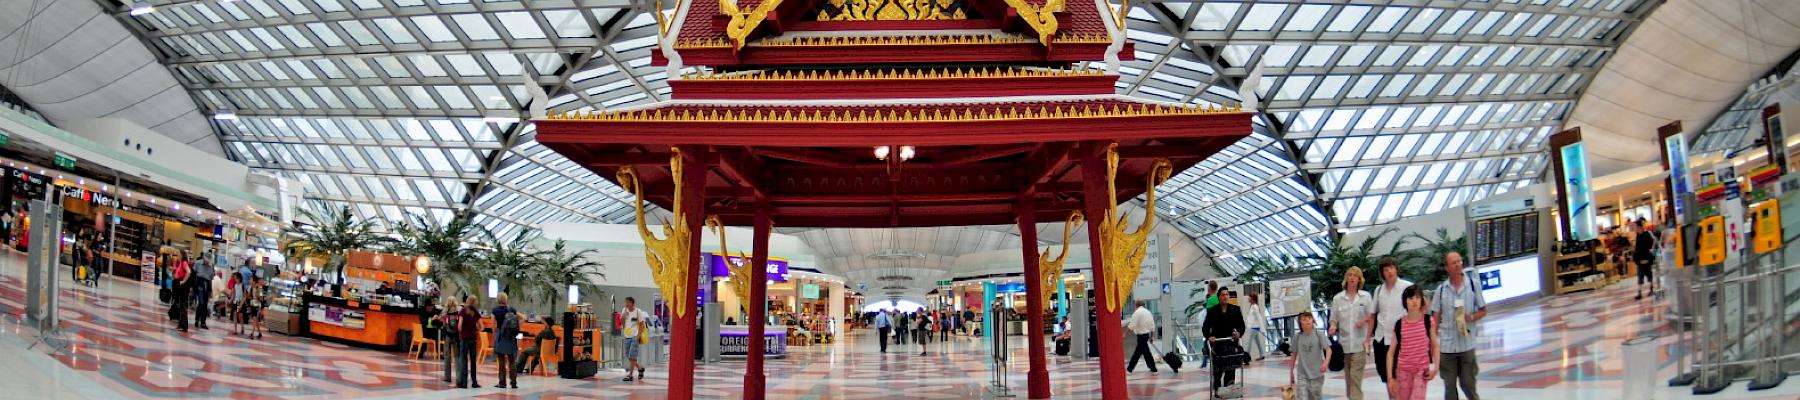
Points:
[(1038, 384), (755, 385)]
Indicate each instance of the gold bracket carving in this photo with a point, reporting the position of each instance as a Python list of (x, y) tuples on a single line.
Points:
[(742, 23), (1123, 252), (740, 274), (1050, 269), (1041, 18), (668, 257)]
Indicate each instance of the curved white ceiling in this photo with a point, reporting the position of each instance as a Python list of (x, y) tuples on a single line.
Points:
[(69, 60), (1687, 62)]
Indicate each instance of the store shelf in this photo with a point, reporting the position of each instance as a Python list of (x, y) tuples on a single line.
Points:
[(1581, 271), (1571, 256)]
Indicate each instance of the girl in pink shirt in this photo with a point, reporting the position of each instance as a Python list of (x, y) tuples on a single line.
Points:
[(1414, 361)]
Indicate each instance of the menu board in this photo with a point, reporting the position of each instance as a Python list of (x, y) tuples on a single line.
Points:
[(329, 315)]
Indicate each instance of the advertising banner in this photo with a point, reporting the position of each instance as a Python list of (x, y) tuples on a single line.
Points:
[(777, 268), (1578, 194)]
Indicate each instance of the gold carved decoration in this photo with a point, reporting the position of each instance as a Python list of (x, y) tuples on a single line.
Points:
[(924, 40), (668, 257), (1050, 269), (1042, 19), (740, 274), (950, 113), (891, 10), (1123, 252), (744, 22)]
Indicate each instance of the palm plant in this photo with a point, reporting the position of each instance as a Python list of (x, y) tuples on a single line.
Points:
[(512, 261), (454, 263), (1425, 265), (559, 267), (1328, 279), (334, 234)]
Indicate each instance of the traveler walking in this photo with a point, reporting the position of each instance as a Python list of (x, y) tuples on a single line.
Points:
[(506, 341), (448, 338), (1352, 317), (1644, 253), (1143, 325), (1389, 307), (920, 332), (1311, 349), (1255, 319), (943, 326), (203, 274), (181, 297), (903, 329), (637, 333), (1224, 321), (1415, 350), (468, 333), (1457, 306), (884, 325)]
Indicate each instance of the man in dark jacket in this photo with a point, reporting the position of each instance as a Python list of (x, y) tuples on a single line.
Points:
[(1224, 321)]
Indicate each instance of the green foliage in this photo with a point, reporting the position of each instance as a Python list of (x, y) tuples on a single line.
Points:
[(1425, 265), (334, 234), (558, 267), (1328, 278), (455, 264)]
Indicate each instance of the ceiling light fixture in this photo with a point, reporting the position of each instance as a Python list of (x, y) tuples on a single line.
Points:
[(141, 9), (225, 116)]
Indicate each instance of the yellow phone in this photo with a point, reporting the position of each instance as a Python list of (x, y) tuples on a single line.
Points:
[(1712, 240), (1767, 236)]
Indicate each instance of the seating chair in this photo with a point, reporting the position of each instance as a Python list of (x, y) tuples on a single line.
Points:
[(487, 348), (421, 345), (547, 355)]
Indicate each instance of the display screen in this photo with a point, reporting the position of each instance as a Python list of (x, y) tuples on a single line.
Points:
[(777, 268), (1676, 145), (1509, 279), (1009, 288), (1578, 193), (809, 291)]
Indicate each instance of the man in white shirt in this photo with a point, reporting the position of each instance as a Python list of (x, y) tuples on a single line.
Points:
[(1389, 308), (637, 325), (1144, 325), (1352, 317)]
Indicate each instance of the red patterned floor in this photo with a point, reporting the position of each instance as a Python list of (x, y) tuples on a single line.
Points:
[(1562, 347)]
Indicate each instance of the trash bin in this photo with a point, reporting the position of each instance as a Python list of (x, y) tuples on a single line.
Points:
[(1640, 368)]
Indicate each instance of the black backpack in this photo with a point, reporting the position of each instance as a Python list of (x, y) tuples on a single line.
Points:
[(1428, 331), (510, 326)]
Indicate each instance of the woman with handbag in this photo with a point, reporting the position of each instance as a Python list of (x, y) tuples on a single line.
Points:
[(178, 297)]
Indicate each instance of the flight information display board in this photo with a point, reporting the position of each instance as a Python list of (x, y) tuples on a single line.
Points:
[(1504, 236)]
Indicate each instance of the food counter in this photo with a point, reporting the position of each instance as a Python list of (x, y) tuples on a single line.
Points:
[(356, 322), (733, 340)]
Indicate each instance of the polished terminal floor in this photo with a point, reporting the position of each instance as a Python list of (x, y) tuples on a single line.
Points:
[(1557, 348)]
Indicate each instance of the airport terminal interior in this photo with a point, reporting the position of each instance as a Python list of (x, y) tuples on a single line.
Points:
[(899, 199)]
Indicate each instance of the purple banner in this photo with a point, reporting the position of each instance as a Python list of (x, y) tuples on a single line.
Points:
[(777, 268)]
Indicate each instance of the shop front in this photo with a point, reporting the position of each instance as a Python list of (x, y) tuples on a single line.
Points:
[(379, 308)]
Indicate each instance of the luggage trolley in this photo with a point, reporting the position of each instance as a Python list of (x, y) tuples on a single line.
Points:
[(1227, 357)]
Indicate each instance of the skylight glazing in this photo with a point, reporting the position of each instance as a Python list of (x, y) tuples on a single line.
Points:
[(1371, 111)]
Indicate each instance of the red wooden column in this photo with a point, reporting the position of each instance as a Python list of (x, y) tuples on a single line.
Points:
[(1094, 203), (1038, 378), (681, 340), (754, 380)]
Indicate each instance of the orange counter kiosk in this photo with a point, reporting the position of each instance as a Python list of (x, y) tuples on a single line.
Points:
[(358, 323)]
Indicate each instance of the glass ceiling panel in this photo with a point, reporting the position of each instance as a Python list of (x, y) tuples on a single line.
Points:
[(1387, 109)]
